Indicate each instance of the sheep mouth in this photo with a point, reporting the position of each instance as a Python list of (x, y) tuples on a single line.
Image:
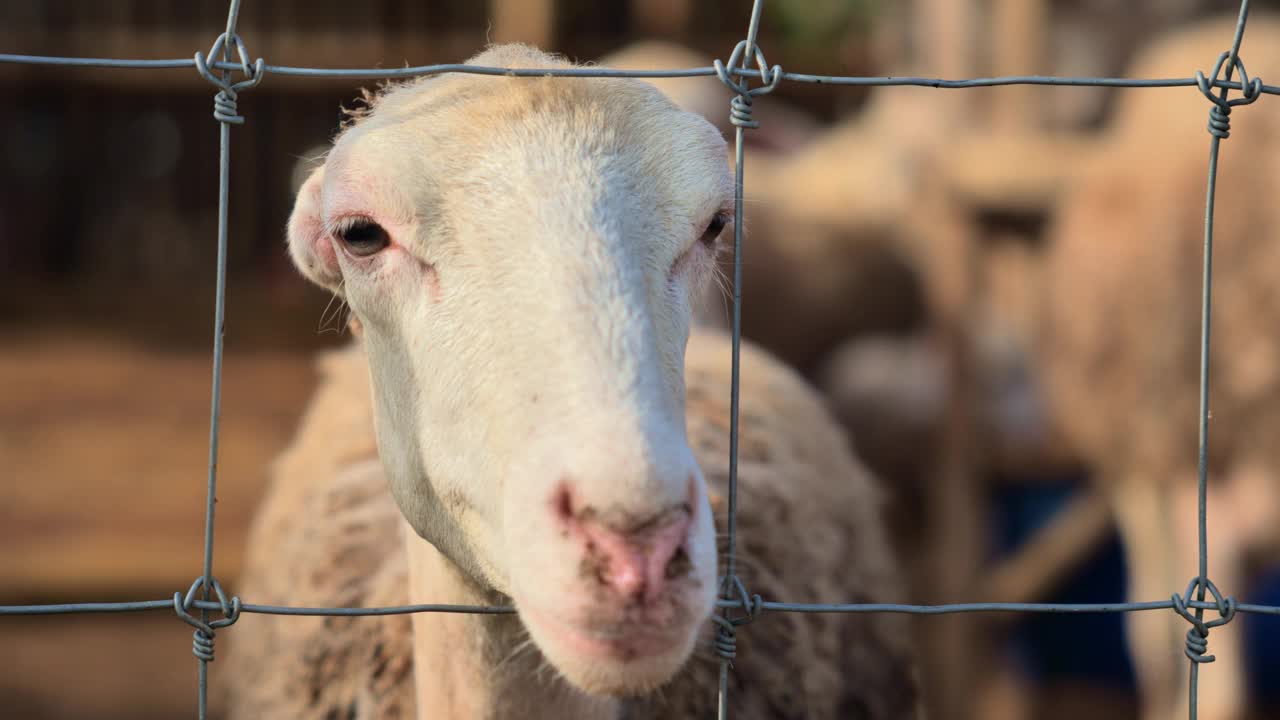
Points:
[(623, 643), (631, 636), (623, 656)]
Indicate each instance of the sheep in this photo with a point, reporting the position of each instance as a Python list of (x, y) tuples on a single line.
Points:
[(519, 255), (1120, 359)]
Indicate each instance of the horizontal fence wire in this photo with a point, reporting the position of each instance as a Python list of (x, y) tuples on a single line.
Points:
[(736, 75), (603, 72), (852, 608)]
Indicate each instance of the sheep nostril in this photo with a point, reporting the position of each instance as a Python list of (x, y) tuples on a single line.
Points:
[(562, 505), (679, 564)]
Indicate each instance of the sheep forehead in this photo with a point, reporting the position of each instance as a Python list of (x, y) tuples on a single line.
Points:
[(476, 133)]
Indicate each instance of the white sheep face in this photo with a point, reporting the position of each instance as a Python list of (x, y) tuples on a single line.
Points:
[(522, 254)]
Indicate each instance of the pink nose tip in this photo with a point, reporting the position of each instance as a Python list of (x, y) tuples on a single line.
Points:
[(638, 564), (635, 562)]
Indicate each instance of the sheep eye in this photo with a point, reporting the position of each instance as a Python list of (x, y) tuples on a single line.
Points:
[(364, 237), (718, 221)]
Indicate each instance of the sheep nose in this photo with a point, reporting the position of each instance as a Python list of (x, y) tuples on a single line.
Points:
[(633, 560), (637, 564)]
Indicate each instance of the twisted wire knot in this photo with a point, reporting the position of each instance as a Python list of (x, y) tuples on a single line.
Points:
[(224, 102), (202, 643), (1198, 634), (224, 108), (202, 646), (1220, 121), (726, 638), (1220, 113), (740, 112), (740, 106)]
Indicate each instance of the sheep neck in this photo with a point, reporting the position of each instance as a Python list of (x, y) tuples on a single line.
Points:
[(478, 666)]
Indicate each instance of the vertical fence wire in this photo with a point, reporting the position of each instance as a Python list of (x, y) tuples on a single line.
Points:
[(736, 75), (219, 328), (219, 316), (1218, 130), (740, 117), (734, 381), (736, 367)]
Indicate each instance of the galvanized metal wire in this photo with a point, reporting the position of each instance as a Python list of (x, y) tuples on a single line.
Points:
[(220, 68), (601, 72), (763, 605), (726, 642)]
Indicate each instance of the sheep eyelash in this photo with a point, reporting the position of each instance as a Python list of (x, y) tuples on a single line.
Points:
[(338, 227)]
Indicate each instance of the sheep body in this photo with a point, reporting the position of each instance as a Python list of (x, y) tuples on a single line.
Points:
[(809, 530), (1125, 269), (1121, 358)]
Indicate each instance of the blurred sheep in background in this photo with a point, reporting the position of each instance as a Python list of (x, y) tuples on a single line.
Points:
[(1120, 351)]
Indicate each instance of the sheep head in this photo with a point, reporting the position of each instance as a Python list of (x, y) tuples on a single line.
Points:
[(522, 254)]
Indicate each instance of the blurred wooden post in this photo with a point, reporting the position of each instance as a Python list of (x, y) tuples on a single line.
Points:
[(1019, 36), (953, 654), (663, 18), (955, 650), (527, 21), (943, 38)]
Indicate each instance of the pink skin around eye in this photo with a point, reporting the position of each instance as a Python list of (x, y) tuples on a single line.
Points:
[(325, 250), (352, 194), (394, 252)]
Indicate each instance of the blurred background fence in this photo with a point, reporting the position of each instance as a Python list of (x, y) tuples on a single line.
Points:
[(108, 203)]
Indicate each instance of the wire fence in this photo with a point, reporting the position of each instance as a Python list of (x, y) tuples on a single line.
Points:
[(228, 59)]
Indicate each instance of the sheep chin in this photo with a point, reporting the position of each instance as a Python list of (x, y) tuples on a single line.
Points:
[(625, 655)]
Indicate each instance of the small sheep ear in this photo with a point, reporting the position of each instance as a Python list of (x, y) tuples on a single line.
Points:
[(309, 245)]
